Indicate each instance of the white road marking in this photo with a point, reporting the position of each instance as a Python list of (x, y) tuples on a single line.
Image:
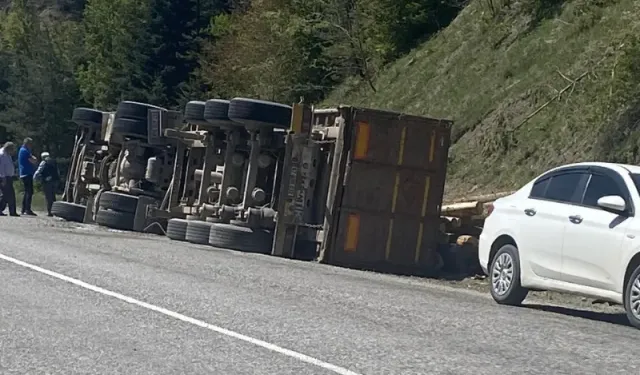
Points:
[(274, 348)]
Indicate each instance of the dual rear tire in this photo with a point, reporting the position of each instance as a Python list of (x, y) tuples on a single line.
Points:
[(117, 210), (227, 236)]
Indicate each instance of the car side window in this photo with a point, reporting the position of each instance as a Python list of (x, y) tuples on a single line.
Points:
[(600, 186), (562, 187), (539, 188)]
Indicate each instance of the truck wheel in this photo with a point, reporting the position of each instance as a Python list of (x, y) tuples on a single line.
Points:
[(244, 239), (69, 211), (257, 114), (198, 232), (115, 219), (131, 119), (134, 110), (177, 229), (216, 113), (87, 117), (194, 112), (632, 298), (505, 277), (118, 202), (130, 127)]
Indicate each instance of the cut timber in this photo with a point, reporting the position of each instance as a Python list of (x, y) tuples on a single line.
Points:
[(485, 198), (462, 209)]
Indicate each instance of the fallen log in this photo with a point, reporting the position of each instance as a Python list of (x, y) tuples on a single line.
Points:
[(484, 198), (462, 209)]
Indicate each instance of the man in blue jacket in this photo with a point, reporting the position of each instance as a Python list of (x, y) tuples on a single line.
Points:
[(26, 166)]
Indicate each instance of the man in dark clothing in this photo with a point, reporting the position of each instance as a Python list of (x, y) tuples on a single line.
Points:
[(26, 165), (7, 173), (48, 174)]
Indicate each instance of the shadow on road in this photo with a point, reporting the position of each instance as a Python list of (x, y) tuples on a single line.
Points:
[(615, 318)]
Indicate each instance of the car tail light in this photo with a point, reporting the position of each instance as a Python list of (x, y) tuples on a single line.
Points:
[(490, 208)]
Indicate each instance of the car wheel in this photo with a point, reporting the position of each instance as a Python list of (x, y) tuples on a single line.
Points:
[(632, 298), (505, 277)]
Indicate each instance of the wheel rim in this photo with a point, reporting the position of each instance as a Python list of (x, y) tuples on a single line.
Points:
[(634, 298), (502, 275)]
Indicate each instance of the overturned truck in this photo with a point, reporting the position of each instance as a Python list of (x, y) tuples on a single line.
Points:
[(226, 173), (141, 174), (347, 186), (365, 186), (120, 164), (88, 165)]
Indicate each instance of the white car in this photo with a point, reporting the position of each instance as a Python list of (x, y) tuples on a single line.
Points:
[(574, 229)]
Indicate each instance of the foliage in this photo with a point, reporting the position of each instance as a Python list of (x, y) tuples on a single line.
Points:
[(38, 87), (488, 64), (285, 49), (114, 32), (501, 80)]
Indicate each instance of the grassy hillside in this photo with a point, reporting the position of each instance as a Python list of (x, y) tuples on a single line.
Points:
[(530, 85)]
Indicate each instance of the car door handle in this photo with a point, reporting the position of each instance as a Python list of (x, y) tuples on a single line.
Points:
[(576, 219), (530, 211)]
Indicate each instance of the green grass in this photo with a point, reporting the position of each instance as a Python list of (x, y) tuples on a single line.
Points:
[(490, 72)]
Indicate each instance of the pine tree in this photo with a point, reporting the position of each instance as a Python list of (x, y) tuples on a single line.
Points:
[(39, 91), (115, 41)]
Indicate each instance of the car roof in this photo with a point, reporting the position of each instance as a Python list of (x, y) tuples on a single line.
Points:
[(618, 167)]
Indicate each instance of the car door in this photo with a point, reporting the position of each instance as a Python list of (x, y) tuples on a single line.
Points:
[(594, 236), (544, 219)]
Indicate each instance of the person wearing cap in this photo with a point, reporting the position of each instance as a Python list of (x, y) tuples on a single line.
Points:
[(47, 174), (7, 174)]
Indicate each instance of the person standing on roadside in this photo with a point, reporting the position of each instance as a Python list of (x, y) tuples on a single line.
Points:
[(47, 173), (7, 174), (26, 165)]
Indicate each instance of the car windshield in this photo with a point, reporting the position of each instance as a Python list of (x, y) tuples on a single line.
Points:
[(636, 180)]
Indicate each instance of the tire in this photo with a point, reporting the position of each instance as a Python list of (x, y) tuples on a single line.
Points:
[(118, 202), (198, 232), (69, 211), (115, 219), (134, 110), (244, 239), (177, 229), (507, 256), (216, 109), (87, 117), (216, 113), (194, 111), (259, 113), (632, 292), (131, 119), (130, 127)]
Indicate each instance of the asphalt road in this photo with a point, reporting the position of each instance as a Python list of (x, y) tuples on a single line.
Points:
[(152, 306)]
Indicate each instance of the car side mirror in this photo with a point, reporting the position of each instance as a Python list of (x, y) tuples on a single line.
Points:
[(613, 202)]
